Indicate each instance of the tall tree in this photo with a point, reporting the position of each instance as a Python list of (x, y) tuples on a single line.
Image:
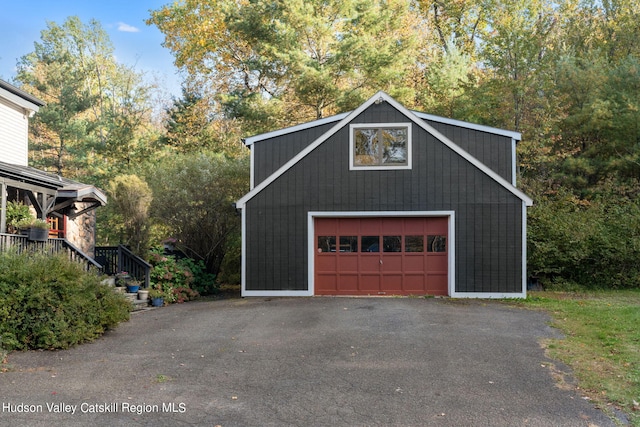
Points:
[(191, 126), (518, 54), (458, 24), (97, 109), (52, 73), (281, 62), (193, 198), (131, 198)]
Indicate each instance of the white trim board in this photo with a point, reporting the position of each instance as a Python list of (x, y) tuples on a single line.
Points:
[(28, 107), (261, 137), (383, 97), (473, 126)]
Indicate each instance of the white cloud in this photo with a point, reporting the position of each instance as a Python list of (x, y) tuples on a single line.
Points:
[(127, 28)]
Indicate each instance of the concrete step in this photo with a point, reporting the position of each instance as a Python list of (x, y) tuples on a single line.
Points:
[(138, 304)]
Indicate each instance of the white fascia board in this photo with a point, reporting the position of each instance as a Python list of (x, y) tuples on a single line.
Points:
[(482, 128), (514, 162), (377, 214), (256, 138), (252, 154), (243, 251), (524, 250), (19, 101), (332, 119)]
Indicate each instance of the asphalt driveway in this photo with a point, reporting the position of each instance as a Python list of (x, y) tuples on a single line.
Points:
[(303, 362)]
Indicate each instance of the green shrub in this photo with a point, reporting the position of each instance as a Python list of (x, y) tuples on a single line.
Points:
[(49, 302), (591, 243), (171, 277), (204, 283), (232, 263)]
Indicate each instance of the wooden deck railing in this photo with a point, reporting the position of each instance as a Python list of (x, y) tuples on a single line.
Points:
[(116, 259), (51, 246)]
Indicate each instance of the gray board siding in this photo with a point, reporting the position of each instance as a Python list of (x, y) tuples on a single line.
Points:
[(269, 155), (488, 217), (493, 150)]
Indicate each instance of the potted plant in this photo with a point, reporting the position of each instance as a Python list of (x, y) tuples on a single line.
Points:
[(36, 229), (122, 278), (133, 286), (157, 297), (17, 213), (143, 294)]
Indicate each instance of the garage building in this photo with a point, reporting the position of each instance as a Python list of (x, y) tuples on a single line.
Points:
[(384, 201)]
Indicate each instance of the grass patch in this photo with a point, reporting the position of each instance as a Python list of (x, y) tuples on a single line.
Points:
[(161, 378), (602, 343)]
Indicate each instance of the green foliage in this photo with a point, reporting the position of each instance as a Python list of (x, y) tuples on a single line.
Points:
[(172, 278), (49, 302), (156, 293), (194, 196), (22, 219), (203, 282), (97, 113), (191, 127), (131, 198), (37, 223), (231, 265), (273, 63), (585, 242), (17, 212)]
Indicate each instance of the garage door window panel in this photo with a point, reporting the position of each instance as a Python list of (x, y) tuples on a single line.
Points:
[(370, 243), (326, 244), (391, 243), (436, 243), (348, 243), (414, 243)]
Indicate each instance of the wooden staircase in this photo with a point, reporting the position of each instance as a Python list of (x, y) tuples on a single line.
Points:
[(115, 259)]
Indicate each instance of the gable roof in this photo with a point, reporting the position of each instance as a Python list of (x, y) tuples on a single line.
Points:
[(345, 119)]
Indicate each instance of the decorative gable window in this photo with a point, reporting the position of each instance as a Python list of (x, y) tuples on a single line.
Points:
[(380, 146)]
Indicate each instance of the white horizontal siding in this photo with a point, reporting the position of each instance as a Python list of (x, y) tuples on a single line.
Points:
[(14, 134)]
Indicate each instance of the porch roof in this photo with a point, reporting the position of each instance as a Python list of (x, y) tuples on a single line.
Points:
[(63, 187)]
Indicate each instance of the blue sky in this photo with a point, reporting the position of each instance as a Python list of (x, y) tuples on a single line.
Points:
[(136, 44)]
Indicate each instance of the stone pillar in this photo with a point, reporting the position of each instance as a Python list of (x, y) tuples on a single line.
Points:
[(81, 230)]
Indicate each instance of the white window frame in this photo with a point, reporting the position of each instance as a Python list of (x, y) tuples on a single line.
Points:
[(352, 143)]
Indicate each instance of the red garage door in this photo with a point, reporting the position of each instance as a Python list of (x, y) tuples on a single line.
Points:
[(381, 256)]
